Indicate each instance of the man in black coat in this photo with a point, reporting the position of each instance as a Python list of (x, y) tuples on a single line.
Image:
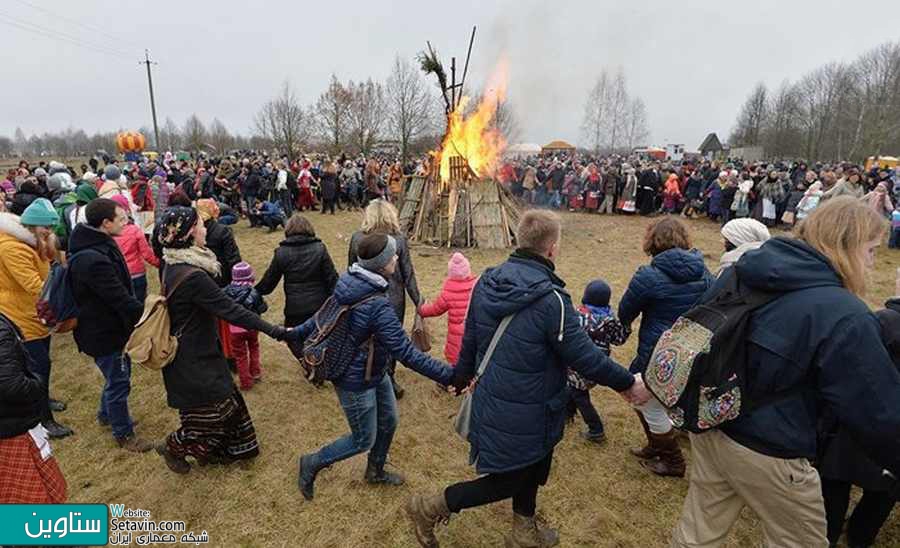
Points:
[(107, 312)]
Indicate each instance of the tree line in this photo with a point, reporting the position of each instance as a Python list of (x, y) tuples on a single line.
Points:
[(353, 117), (839, 111)]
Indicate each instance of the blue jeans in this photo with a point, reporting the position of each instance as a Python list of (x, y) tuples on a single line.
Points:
[(116, 369), (372, 416)]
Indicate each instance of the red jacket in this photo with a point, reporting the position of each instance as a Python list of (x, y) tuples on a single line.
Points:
[(135, 248), (454, 298)]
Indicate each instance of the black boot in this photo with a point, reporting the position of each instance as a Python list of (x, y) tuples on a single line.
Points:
[(56, 430), (57, 406), (306, 476), (377, 475)]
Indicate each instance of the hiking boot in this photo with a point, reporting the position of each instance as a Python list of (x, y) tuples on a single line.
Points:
[(306, 476), (526, 533), (176, 464), (649, 451), (57, 406), (56, 430), (670, 462), (425, 513), (598, 438), (134, 444), (376, 475)]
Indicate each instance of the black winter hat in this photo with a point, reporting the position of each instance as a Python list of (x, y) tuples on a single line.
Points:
[(596, 293)]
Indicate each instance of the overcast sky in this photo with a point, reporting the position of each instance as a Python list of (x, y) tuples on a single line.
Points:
[(693, 62)]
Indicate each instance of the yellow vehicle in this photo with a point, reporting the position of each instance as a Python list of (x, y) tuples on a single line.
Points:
[(150, 155), (882, 162)]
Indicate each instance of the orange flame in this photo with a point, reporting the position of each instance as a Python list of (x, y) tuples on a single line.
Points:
[(474, 136)]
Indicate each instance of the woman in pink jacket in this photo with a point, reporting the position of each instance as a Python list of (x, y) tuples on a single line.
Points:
[(454, 298), (134, 247)]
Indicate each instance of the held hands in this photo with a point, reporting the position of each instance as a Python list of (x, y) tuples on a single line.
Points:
[(283, 334), (638, 394), (460, 384)]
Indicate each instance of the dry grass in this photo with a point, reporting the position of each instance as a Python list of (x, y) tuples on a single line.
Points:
[(598, 496)]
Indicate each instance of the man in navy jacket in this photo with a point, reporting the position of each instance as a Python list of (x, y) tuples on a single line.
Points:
[(519, 403)]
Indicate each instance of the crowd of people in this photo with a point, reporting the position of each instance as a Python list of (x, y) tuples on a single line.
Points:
[(517, 344), (774, 193)]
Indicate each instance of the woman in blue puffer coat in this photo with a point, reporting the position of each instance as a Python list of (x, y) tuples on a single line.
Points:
[(367, 398), (660, 292)]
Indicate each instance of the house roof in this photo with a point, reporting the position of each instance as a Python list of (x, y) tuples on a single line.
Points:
[(711, 144)]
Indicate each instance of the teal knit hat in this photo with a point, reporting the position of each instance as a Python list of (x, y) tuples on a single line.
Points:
[(39, 213)]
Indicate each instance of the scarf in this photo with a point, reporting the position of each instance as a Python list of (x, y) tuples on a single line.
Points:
[(200, 257)]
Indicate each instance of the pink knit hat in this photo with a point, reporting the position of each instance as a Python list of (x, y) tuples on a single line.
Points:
[(122, 201), (458, 268)]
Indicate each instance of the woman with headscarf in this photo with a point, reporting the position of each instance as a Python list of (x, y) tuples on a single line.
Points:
[(810, 200), (381, 218), (741, 235), (879, 200), (215, 423), (770, 193)]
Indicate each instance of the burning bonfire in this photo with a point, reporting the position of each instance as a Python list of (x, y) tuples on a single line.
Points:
[(459, 203)]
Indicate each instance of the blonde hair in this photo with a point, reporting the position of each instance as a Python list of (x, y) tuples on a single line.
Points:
[(838, 229), (381, 216), (538, 230)]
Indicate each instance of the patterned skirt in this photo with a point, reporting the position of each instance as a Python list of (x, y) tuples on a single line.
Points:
[(25, 476), (219, 433)]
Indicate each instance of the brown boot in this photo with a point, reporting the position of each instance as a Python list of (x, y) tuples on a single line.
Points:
[(425, 513), (648, 452), (671, 461), (526, 533), (134, 444)]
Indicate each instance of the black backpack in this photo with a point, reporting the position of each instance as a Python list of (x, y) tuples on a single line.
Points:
[(698, 370), (330, 350)]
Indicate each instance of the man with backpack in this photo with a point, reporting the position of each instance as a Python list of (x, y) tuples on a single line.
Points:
[(107, 312)]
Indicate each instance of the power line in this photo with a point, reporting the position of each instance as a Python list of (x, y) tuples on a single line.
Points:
[(54, 34), (85, 26)]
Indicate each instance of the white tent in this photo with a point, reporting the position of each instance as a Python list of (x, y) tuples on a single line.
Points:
[(521, 150)]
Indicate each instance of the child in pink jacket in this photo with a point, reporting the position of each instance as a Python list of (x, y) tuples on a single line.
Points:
[(134, 247), (454, 298)]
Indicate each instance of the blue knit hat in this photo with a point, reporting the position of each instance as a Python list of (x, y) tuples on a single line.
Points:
[(40, 213), (596, 293)]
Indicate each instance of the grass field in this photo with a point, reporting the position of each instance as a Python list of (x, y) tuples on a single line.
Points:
[(597, 496)]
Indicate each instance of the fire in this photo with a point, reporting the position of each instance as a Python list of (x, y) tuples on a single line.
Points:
[(473, 135)]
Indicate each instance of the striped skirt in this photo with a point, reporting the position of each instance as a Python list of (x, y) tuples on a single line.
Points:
[(218, 433)]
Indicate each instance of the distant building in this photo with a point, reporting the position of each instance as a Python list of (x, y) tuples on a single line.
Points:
[(674, 152), (557, 147), (711, 148)]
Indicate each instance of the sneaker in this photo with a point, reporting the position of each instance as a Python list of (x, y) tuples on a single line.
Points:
[(134, 444)]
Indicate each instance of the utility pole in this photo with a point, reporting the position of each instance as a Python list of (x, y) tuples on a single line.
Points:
[(147, 62)]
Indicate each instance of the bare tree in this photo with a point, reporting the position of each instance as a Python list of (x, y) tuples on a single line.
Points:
[(618, 104), (6, 146), (749, 126), (283, 122), (366, 114), (219, 136), (637, 130), (595, 112), (332, 112), (21, 141), (194, 133), (170, 135), (409, 105)]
